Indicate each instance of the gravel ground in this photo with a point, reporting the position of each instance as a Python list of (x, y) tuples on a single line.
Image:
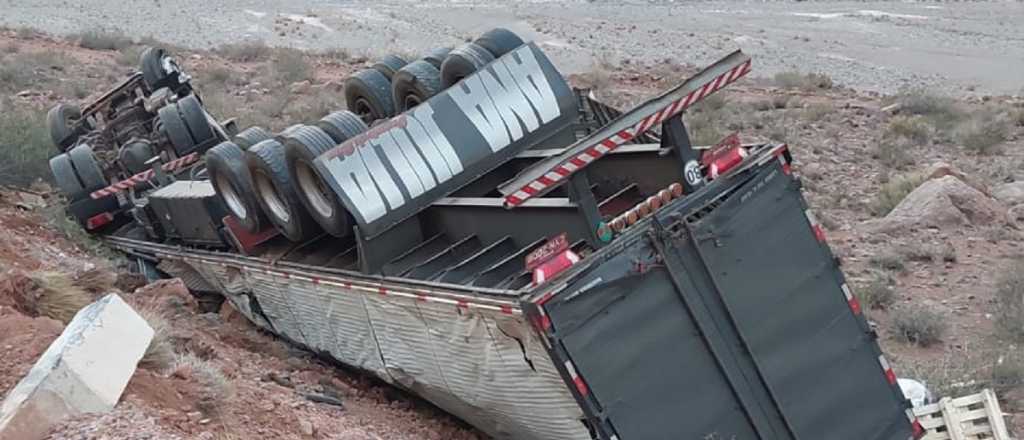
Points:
[(870, 45)]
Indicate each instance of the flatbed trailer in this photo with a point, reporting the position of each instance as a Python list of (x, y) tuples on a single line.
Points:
[(610, 282)]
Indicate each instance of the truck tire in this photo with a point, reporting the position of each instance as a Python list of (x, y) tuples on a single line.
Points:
[(87, 168), (232, 181), (389, 65), (134, 155), (151, 62), (276, 192), (499, 41), (251, 136), (462, 62), (436, 56), (61, 121), (342, 126), (316, 196), (368, 94), (194, 115), (414, 84), (174, 127), (65, 177)]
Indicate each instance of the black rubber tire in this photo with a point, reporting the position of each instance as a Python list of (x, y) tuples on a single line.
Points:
[(66, 178), (414, 84), (232, 181), (462, 62), (389, 65), (316, 196), (276, 192), (436, 56), (251, 136), (153, 73), (174, 127), (87, 168), (191, 111), (61, 122), (342, 125), (499, 41), (134, 155), (368, 94)]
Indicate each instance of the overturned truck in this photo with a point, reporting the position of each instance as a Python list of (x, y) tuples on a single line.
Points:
[(535, 262)]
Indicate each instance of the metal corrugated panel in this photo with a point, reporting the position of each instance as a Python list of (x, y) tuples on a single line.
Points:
[(467, 362)]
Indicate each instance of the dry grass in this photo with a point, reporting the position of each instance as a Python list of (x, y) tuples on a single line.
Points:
[(918, 324), (929, 252), (983, 132), (805, 81), (967, 371), (911, 128), (290, 66), (938, 110), (54, 295), (877, 293), (160, 354), (97, 281), (894, 153), (101, 40), (246, 51), (894, 191), (888, 260), (1010, 297), (25, 145), (216, 388)]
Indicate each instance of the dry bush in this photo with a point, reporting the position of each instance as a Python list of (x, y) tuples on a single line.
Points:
[(818, 111), (911, 128), (216, 388), (160, 354), (25, 145), (877, 293), (894, 153), (246, 51), (888, 260), (101, 40), (290, 66), (929, 252), (805, 81), (97, 281), (966, 372), (941, 111), (24, 70), (53, 295), (894, 191), (918, 324), (129, 55), (983, 132), (1010, 297), (1017, 117)]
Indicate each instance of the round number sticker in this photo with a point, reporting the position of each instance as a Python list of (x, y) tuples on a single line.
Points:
[(692, 173)]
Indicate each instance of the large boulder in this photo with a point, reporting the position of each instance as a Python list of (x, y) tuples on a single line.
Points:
[(84, 370), (1010, 193), (943, 202)]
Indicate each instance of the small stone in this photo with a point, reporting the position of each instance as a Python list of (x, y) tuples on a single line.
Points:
[(307, 428)]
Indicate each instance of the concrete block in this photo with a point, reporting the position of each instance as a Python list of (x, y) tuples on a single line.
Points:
[(84, 370)]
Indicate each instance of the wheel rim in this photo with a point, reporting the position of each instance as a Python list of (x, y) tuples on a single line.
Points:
[(412, 101), (268, 193), (314, 189), (231, 197), (364, 110)]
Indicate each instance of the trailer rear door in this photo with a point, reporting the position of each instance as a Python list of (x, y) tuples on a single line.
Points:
[(727, 320)]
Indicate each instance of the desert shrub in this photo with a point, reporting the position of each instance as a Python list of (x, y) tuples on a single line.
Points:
[(877, 292), (806, 81), (929, 252), (25, 145), (983, 132), (53, 295), (966, 371), (160, 354), (894, 191), (919, 325), (23, 70), (893, 153), (911, 128), (290, 66), (218, 75), (101, 40), (888, 260), (816, 112), (939, 110), (129, 55), (216, 388), (1010, 297), (246, 52)]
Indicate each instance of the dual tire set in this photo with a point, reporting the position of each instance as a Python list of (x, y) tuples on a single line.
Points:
[(269, 180), (393, 85)]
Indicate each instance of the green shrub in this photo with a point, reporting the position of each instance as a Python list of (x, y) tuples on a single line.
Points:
[(919, 325), (894, 191), (25, 146)]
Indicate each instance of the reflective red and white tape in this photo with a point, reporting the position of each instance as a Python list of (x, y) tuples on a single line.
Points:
[(890, 375), (581, 386), (464, 304), (598, 150), (131, 182), (851, 299)]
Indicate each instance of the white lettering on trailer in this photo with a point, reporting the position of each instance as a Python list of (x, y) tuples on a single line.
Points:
[(400, 163), (496, 107), (354, 179), (424, 131), (380, 176)]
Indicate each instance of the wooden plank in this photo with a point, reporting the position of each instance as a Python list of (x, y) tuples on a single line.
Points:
[(995, 416), (950, 414)]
